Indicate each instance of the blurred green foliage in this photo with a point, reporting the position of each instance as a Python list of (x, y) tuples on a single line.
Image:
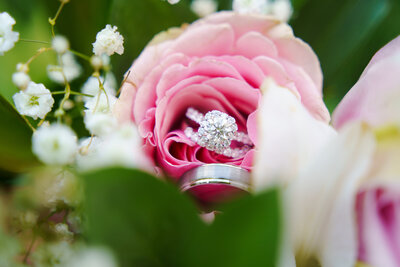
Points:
[(15, 140), (345, 34), (148, 222)]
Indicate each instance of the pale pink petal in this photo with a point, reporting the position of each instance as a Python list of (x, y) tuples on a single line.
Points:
[(146, 93), (253, 44), (375, 98), (298, 52), (204, 40)]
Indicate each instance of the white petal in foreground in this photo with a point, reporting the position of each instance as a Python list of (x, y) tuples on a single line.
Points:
[(289, 137), (320, 202)]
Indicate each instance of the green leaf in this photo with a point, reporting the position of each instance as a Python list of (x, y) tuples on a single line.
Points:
[(145, 220), (15, 140), (148, 222), (245, 234), (345, 34)]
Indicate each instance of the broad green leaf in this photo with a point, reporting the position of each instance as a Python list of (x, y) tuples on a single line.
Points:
[(145, 220), (15, 140), (148, 222), (246, 233)]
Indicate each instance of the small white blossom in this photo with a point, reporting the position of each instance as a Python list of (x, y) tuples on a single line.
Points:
[(68, 104), (204, 7), (99, 62), (60, 44), (251, 6), (120, 148), (21, 79), (108, 41), (53, 254), (55, 144), (7, 36), (70, 67), (173, 2), (99, 119), (36, 101), (92, 87), (281, 9), (62, 231), (22, 67), (93, 257)]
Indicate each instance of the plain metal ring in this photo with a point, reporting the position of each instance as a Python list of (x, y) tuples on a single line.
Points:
[(216, 174)]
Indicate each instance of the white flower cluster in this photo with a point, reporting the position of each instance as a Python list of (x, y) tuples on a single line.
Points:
[(108, 41), (36, 101), (68, 68), (7, 36), (118, 148), (281, 9)]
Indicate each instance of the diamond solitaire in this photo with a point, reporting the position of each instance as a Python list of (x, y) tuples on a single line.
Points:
[(216, 132)]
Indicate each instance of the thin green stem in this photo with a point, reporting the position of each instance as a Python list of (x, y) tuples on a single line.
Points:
[(28, 252), (83, 56), (29, 124), (33, 41), (52, 21), (71, 92), (38, 53)]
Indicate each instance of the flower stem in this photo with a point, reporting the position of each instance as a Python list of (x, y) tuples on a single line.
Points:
[(83, 56), (71, 92), (52, 21), (28, 252), (29, 124), (38, 53), (33, 41)]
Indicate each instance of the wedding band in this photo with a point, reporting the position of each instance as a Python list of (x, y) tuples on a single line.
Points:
[(216, 174)]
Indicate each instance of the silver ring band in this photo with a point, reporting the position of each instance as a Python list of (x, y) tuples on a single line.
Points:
[(216, 174)]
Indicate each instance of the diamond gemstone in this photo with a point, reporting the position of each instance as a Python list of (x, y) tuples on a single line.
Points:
[(216, 131)]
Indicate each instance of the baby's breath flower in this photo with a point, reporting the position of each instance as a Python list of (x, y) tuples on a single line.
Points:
[(173, 2), (93, 257), (60, 44), (99, 119), (251, 6), (36, 101), (204, 7), (7, 36), (92, 87), (21, 79), (62, 231), (119, 148), (69, 66), (108, 41), (281, 9), (55, 144), (22, 67)]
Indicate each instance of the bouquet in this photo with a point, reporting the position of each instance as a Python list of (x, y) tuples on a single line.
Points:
[(215, 147)]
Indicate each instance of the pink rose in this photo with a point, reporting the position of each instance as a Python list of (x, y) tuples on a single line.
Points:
[(217, 63), (378, 221), (375, 97)]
